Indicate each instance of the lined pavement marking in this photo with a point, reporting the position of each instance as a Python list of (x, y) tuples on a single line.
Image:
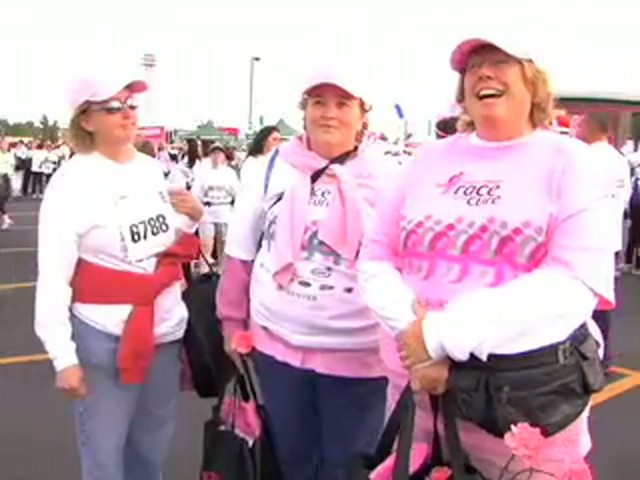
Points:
[(14, 286), (22, 214), (23, 359), (17, 249), (616, 389), (610, 392)]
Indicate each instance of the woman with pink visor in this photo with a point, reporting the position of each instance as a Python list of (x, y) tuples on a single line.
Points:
[(485, 266), (290, 278), (108, 308)]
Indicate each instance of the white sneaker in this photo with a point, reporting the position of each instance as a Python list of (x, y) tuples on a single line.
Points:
[(6, 223)]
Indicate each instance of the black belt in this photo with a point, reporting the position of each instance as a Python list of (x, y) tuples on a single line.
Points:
[(548, 355)]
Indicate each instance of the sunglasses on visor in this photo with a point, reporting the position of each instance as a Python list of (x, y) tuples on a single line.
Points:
[(116, 106)]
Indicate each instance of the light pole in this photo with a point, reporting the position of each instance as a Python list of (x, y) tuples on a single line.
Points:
[(251, 75), (149, 63)]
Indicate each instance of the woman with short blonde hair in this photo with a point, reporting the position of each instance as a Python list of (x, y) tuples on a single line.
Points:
[(108, 307), (485, 266)]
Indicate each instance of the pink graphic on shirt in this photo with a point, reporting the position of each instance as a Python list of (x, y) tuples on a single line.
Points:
[(473, 192), (442, 244), (453, 181), (431, 247), (315, 249), (506, 254), (475, 248)]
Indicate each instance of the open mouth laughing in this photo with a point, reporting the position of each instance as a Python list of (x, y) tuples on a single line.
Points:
[(489, 94)]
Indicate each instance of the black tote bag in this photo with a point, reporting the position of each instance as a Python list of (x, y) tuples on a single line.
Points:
[(226, 454), (210, 367)]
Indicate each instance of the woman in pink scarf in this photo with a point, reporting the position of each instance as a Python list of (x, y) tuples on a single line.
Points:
[(290, 278), (485, 265)]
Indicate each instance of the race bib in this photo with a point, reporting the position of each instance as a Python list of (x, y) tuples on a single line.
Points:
[(146, 224), (217, 195)]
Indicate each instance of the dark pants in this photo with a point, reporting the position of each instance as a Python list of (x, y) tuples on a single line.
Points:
[(603, 320), (320, 423), (25, 188), (631, 256), (37, 183), (5, 193)]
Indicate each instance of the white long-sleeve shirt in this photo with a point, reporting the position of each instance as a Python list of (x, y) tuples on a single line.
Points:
[(619, 179), (111, 214)]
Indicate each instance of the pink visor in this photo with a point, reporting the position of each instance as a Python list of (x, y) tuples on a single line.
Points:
[(91, 89), (338, 79), (461, 54)]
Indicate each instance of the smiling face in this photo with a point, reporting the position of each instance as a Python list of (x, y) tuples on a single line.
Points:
[(113, 121), (333, 117), (495, 92)]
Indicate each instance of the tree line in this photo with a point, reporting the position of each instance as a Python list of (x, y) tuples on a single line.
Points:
[(47, 130), (44, 130)]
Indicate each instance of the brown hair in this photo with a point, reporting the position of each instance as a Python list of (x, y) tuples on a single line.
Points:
[(80, 138), (364, 108), (147, 147), (542, 104)]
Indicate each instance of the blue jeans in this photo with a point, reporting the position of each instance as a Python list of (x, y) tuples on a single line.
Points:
[(124, 431), (320, 423)]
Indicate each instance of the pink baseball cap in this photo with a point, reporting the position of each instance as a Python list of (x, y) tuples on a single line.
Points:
[(340, 79), (99, 89), (461, 54)]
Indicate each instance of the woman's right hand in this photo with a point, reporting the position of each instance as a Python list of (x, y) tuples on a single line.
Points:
[(231, 353), (71, 381)]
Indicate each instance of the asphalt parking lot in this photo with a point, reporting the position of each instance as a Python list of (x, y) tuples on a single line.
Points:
[(36, 434)]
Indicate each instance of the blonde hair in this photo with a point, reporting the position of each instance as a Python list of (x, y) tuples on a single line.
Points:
[(81, 140), (364, 108), (542, 102)]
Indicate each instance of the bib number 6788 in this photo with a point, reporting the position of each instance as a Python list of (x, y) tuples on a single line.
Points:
[(153, 226)]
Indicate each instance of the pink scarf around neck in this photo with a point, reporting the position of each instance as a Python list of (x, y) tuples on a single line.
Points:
[(341, 228)]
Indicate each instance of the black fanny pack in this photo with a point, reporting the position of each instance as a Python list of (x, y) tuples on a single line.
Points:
[(548, 388)]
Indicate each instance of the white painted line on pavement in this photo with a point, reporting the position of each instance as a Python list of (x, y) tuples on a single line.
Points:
[(14, 286), (17, 249), (22, 214)]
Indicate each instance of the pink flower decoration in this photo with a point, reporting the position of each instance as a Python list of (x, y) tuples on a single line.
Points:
[(441, 473), (577, 470), (242, 342), (243, 415), (525, 442)]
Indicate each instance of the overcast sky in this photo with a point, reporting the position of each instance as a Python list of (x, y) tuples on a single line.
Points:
[(399, 50)]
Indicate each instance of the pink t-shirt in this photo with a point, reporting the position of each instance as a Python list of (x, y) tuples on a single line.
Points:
[(504, 243), (498, 236)]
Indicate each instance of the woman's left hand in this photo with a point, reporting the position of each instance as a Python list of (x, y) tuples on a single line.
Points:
[(432, 378), (411, 345), (184, 202)]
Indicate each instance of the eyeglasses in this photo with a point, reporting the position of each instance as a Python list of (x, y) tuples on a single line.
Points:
[(117, 106)]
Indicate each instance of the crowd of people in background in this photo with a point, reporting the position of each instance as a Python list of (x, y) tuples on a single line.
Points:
[(26, 166), (25, 170)]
